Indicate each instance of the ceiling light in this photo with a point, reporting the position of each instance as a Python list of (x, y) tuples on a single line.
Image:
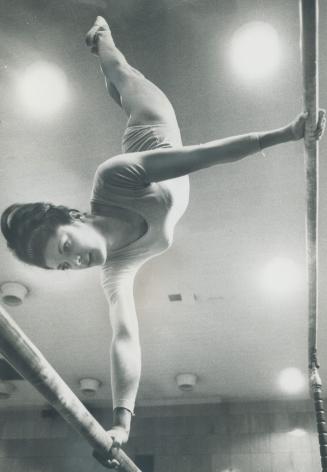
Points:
[(13, 293), (298, 432), (231, 469), (281, 276), (255, 50), (43, 89), (89, 387), (186, 382), (291, 380)]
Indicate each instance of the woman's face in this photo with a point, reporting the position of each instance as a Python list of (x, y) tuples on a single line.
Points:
[(75, 246)]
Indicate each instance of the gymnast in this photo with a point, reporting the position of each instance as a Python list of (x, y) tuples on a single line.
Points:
[(136, 201)]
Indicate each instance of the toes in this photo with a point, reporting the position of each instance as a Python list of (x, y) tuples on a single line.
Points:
[(90, 36), (101, 22)]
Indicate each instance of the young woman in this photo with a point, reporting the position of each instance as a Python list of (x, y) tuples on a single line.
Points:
[(137, 199)]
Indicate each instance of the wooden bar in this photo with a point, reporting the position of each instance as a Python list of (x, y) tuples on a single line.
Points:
[(309, 50), (21, 353)]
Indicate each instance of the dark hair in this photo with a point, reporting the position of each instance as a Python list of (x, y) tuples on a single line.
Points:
[(28, 227)]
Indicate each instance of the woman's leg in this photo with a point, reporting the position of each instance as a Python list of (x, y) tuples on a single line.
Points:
[(142, 101)]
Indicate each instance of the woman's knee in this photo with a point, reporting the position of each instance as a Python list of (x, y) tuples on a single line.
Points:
[(149, 115), (141, 99), (150, 105)]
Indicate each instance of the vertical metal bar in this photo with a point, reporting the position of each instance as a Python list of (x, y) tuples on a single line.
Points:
[(21, 353), (309, 16), (309, 39)]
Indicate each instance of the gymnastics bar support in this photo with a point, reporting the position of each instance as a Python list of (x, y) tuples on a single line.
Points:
[(309, 45), (21, 353)]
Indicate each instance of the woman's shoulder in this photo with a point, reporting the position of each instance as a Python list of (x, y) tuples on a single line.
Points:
[(122, 170)]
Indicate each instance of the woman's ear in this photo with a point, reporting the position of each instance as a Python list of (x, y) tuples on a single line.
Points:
[(75, 215)]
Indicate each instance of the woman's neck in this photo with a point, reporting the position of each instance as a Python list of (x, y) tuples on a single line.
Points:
[(119, 230)]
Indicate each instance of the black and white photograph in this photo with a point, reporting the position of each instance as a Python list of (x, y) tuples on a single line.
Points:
[(163, 203)]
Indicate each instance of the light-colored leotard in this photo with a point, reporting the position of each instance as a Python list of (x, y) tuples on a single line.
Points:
[(160, 204)]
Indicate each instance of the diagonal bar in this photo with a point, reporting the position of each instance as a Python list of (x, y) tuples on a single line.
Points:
[(21, 353)]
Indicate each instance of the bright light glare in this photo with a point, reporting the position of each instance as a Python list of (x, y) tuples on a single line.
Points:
[(281, 276), (291, 380), (43, 89), (255, 50)]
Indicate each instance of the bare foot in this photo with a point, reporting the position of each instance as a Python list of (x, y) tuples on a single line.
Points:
[(91, 37)]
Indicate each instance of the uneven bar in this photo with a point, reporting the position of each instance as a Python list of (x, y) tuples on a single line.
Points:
[(309, 49), (309, 42), (21, 353)]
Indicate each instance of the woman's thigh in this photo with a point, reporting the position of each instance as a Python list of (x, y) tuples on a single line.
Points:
[(145, 103)]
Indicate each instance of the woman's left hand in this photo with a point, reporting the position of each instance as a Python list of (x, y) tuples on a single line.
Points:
[(297, 127)]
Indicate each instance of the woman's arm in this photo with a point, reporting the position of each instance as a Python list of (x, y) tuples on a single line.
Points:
[(125, 362)]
